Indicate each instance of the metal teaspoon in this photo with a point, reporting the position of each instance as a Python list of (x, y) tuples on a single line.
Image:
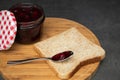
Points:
[(57, 57)]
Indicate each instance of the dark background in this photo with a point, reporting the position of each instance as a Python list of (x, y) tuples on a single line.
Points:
[(100, 16)]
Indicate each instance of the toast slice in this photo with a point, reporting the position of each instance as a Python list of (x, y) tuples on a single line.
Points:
[(84, 51)]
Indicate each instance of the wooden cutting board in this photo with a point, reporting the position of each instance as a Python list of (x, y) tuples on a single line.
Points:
[(40, 70)]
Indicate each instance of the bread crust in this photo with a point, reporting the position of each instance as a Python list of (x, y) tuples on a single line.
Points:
[(84, 61)]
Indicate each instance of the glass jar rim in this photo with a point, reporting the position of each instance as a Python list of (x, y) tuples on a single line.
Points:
[(30, 23)]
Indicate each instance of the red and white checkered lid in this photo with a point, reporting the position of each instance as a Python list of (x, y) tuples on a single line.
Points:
[(8, 28)]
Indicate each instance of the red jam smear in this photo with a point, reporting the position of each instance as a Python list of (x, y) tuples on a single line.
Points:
[(62, 55)]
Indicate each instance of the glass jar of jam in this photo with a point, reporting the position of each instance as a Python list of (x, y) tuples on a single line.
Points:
[(30, 18)]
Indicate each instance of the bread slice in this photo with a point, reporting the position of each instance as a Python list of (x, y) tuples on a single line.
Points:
[(71, 39)]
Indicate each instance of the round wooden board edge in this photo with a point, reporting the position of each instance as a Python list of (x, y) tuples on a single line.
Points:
[(82, 26)]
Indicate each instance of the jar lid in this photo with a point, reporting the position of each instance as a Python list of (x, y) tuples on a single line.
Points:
[(8, 29)]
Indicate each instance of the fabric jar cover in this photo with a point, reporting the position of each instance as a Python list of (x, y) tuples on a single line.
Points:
[(8, 29)]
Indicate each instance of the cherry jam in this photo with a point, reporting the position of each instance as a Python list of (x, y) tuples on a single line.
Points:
[(29, 21), (62, 55)]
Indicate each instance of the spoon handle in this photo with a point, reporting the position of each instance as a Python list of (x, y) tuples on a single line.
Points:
[(27, 60)]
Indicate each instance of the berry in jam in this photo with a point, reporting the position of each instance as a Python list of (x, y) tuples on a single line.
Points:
[(29, 21), (25, 12)]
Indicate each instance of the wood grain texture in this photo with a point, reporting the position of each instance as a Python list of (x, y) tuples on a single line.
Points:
[(40, 70)]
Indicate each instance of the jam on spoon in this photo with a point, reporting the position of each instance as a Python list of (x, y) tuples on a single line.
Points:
[(58, 57), (62, 56)]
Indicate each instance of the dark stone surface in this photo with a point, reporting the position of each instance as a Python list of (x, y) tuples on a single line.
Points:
[(100, 16)]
